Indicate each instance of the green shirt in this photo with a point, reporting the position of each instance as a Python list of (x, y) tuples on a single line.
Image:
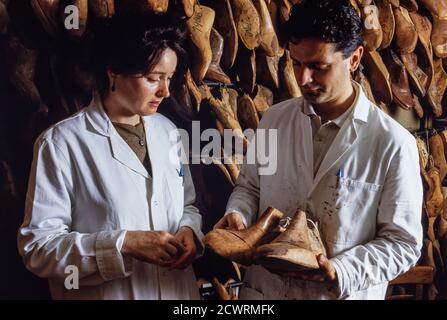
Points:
[(135, 137)]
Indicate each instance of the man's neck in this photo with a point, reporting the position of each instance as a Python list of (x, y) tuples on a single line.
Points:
[(333, 109)]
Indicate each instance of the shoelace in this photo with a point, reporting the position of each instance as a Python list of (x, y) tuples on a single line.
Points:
[(284, 223), (315, 228), (314, 224)]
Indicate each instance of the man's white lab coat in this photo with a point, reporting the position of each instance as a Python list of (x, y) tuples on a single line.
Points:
[(370, 218), (86, 188)]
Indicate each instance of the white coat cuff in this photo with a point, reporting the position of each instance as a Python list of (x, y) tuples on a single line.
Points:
[(111, 263), (342, 278)]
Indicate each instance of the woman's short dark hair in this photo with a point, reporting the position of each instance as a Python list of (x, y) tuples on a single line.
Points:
[(333, 21), (132, 45)]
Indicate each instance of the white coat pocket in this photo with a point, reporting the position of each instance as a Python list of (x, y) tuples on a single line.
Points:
[(345, 210), (174, 199)]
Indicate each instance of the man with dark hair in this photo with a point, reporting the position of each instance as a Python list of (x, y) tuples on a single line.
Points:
[(340, 158)]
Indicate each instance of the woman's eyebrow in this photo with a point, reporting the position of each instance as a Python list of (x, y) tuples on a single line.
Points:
[(159, 72)]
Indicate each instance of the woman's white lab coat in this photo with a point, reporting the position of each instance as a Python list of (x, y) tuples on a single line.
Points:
[(86, 188), (369, 214)]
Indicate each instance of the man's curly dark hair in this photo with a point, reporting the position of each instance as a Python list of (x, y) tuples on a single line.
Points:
[(333, 21)]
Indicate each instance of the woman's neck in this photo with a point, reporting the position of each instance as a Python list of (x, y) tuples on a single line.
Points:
[(117, 113)]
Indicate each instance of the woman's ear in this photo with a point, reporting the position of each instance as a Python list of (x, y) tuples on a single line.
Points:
[(111, 77), (356, 57)]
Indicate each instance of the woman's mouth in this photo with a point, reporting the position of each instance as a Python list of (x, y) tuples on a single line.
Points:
[(154, 104)]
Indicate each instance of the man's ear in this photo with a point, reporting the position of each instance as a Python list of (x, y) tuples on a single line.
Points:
[(356, 57)]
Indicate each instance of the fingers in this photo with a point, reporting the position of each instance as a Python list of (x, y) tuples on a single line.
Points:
[(168, 249), (221, 224), (156, 247), (188, 256), (185, 259), (327, 268), (181, 263), (221, 289), (176, 243), (171, 249), (231, 221), (323, 262), (326, 273), (236, 222), (163, 259), (171, 244)]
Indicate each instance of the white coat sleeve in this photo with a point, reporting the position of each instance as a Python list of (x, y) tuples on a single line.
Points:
[(398, 240), (245, 196), (191, 217), (45, 239)]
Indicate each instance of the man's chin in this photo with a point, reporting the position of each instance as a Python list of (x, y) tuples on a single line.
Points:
[(312, 98)]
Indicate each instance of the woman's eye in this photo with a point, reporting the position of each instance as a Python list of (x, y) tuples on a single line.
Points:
[(152, 79)]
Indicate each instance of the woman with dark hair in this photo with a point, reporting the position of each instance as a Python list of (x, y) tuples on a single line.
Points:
[(109, 212)]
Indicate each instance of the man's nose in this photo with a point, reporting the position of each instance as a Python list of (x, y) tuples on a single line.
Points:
[(303, 76)]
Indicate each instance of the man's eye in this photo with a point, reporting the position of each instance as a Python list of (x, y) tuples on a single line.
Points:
[(320, 67), (296, 63)]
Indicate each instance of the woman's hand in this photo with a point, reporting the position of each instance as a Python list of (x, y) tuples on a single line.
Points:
[(156, 247), (185, 235)]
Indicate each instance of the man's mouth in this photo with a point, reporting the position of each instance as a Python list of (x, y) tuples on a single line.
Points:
[(311, 92)]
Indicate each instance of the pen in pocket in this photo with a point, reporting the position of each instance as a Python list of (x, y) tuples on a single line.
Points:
[(340, 175), (181, 174)]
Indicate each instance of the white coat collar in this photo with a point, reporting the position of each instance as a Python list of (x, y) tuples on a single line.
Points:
[(360, 111), (97, 116), (346, 136), (121, 151), (362, 106)]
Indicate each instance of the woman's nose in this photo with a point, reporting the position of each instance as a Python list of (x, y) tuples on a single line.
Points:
[(163, 89)]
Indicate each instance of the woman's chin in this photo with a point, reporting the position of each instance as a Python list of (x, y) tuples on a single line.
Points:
[(149, 111)]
